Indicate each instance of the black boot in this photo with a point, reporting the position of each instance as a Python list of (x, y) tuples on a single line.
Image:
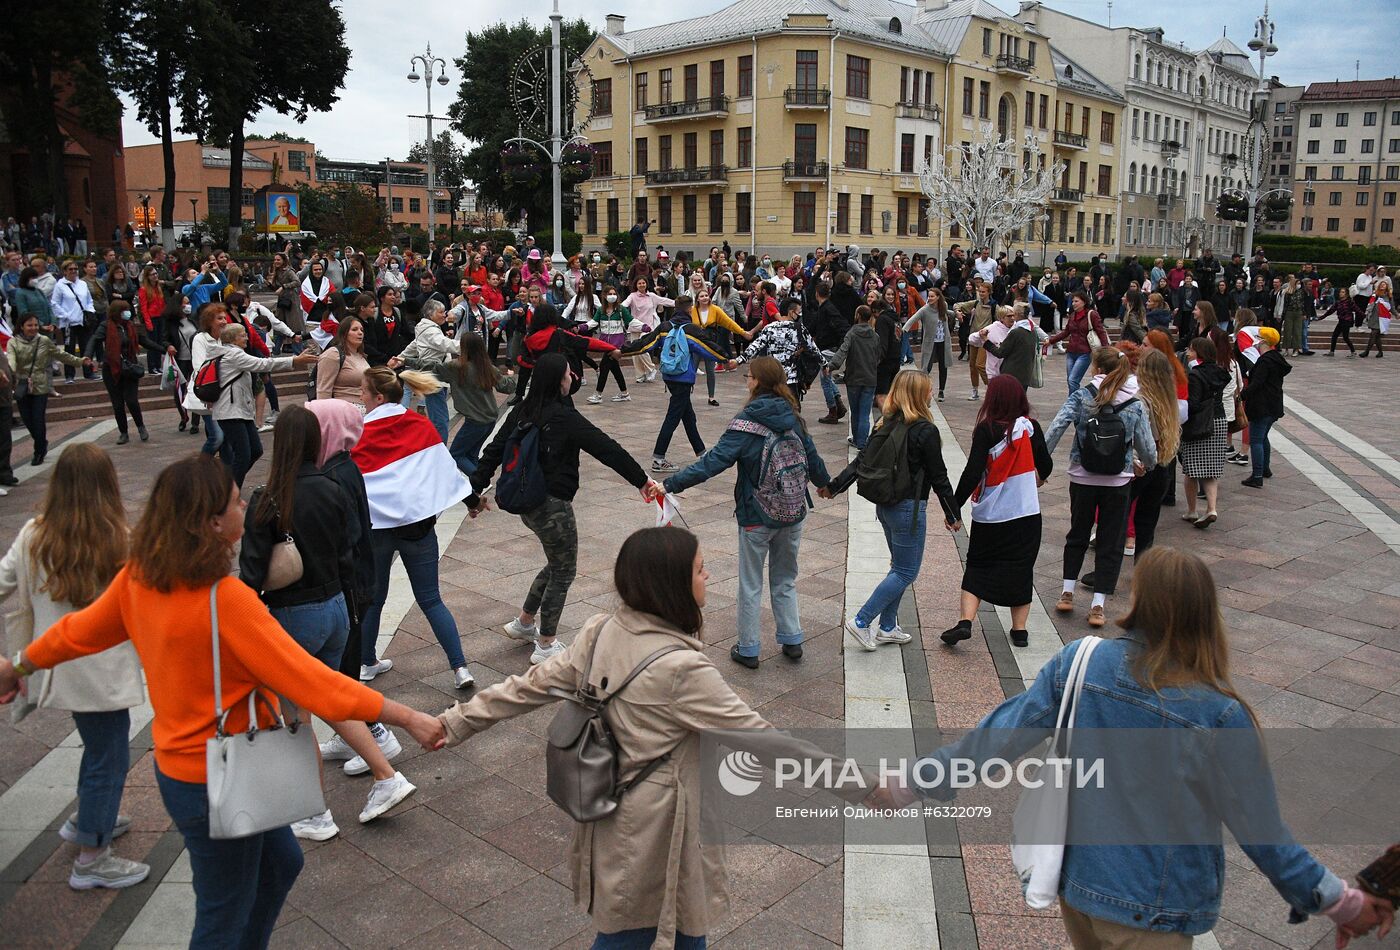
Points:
[(963, 631), (1020, 638)]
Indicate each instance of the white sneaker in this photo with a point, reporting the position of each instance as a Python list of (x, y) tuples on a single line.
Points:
[(68, 831), (385, 795), (4, 492), (518, 631), (897, 635), (651, 377), (265, 427), (641, 379), (862, 635), (462, 678), (974, 397), (622, 397), (594, 399), (663, 465), (336, 749), (543, 653), (388, 745), (367, 673), (107, 870), (320, 827), (271, 418)]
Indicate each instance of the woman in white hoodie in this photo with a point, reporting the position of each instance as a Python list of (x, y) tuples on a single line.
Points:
[(430, 345), (234, 407)]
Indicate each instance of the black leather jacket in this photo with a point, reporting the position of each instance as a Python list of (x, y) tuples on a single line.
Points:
[(322, 519)]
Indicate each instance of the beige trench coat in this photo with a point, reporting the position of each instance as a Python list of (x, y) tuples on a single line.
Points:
[(645, 865)]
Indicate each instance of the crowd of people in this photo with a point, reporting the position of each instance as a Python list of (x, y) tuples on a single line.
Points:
[(358, 477)]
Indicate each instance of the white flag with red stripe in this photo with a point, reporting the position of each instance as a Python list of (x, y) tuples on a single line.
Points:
[(1247, 342), (409, 475)]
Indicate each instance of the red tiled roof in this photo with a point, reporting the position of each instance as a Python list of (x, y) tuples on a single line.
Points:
[(1365, 89)]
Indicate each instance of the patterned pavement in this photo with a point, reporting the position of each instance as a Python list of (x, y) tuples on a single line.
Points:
[(1307, 570)]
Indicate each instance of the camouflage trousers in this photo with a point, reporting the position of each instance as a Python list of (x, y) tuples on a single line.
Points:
[(553, 523)]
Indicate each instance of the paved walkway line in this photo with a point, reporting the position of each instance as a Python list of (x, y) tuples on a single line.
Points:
[(889, 898), (90, 434), (167, 919), (1371, 517), (1352, 443)]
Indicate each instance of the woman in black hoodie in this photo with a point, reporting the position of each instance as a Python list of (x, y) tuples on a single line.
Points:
[(1263, 403), (1205, 436)]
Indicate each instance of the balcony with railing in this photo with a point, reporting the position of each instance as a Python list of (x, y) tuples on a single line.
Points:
[(1067, 196), (807, 97), (688, 109), (1170, 148), (681, 177), (919, 110), (805, 171), (1010, 63), (1071, 139)]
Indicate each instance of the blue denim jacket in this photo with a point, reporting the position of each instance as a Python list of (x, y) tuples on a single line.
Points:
[(1170, 888)]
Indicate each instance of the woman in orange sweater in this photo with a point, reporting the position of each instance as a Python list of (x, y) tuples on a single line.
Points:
[(183, 545)]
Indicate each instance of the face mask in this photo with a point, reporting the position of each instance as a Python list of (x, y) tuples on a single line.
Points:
[(902, 285), (126, 316), (596, 258), (612, 298), (559, 285)]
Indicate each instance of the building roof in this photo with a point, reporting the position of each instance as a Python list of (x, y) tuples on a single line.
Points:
[(935, 32), (1070, 75), (1232, 56), (222, 157), (1364, 89)]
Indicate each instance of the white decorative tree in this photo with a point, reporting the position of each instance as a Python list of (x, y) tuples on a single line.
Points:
[(990, 187)]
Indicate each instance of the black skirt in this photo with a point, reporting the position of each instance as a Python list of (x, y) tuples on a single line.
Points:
[(884, 377), (1001, 561)]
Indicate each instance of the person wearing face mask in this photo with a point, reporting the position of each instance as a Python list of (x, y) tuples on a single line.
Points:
[(119, 337), (908, 302), (613, 319), (557, 296), (720, 328)]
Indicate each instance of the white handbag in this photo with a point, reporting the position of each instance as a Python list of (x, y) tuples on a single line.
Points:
[(1038, 828), (263, 778)]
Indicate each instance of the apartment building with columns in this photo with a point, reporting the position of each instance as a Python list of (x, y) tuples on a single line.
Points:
[(787, 125), (1186, 115)]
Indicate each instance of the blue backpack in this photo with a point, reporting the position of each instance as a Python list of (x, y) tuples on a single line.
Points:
[(521, 486), (675, 352)]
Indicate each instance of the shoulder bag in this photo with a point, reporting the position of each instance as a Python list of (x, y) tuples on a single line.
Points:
[(263, 778), (284, 564), (1039, 826)]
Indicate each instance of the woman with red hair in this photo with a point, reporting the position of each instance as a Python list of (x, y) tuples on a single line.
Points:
[(1159, 340), (1006, 466)]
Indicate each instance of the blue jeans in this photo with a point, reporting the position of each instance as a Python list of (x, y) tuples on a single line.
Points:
[(319, 628), (1076, 364), (642, 939), (102, 773), (436, 404), (1307, 325), (467, 443), (862, 400), (906, 348), (904, 534), (213, 438), (420, 562), (779, 547), (1259, 444), (829, 390), (239, 884), (243, 445)]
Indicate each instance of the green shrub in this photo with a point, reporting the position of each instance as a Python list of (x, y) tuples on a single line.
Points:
[(573, 242), (619, 244)]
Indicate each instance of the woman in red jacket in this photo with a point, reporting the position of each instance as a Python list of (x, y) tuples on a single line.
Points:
[(545, 335)]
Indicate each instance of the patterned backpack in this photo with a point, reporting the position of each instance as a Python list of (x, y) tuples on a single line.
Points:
[(781, 493)]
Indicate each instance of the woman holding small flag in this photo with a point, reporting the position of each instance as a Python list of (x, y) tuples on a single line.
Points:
[(410, 479)]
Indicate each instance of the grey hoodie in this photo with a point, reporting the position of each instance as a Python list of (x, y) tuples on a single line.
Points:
[(860, 353)]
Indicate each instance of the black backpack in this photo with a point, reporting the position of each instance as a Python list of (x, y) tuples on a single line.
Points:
[(883, 474), (807, 359), (522, 485), (1103, 438)]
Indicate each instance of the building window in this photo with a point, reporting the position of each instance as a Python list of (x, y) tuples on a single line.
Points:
[(602, 160), (665, 143), (745, 77), (1339, 146), (1314, 146), (716, 212), (663, 215), (984, 100), (1339, 172), (1030, 110), (640, 150), (1368, 118), (806, 69), (217, 199), (1334, 224), (1132, 176), (717, 147), (1387, 225), (857, 77), (639, 90), (906, 153), (614, 216), (1363, 175), (867, 214), (296, 160), (1334, 198), (590, 216), (1342, 119), (1105, 180), (415, 205), (1315, 120), (665, 85), (639, 210), (690, 149), (1310, 173), (967, 96), (1306, 225), (1309, 197), (857, 147), (692, 82), (743, 211), (1388, 199), (743, 156), (716, 77), (986, 42), (843, 212), (1044, 115), (1394, 146), (688, 214), (901, 216), (1030, 52), (804, 212), (1368, 146), (1358, 224), (398, 205), (1106, 129), (804, 143), (602, 97)]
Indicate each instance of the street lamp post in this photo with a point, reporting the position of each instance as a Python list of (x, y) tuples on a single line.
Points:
[(1044, 238), (1263, 44), (194, 218), (428, 61), (146, 216)]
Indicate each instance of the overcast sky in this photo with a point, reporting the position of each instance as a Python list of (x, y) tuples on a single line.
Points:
[(370, 121)]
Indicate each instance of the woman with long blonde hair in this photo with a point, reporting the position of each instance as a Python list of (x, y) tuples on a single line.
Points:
[(1157, 391), (905, 420), (61, 561)]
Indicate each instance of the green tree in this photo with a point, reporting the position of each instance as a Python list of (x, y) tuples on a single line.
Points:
[(483, 115), (449, 170), (154, 46), (343, 214), (39, 62), (264, 65)]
